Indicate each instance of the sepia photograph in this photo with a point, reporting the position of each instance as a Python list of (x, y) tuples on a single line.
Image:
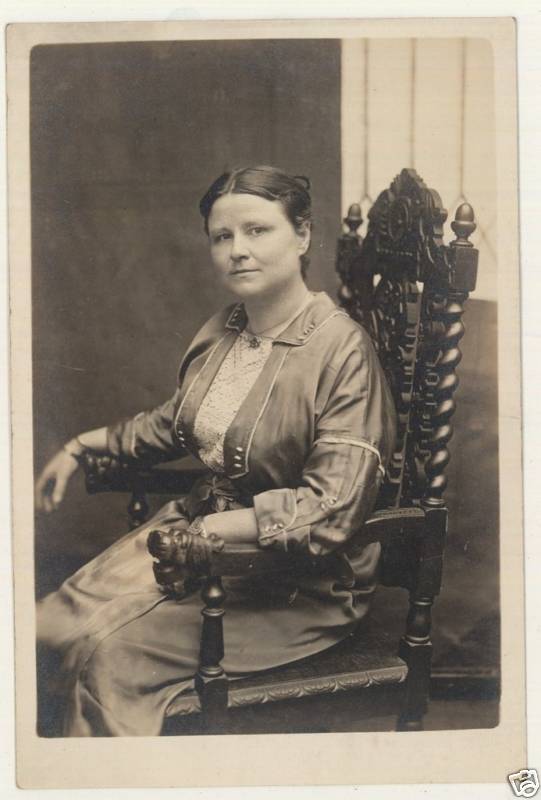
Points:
[(261, 325)]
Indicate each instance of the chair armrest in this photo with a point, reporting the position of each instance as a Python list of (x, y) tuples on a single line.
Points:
[(387, 524), (411, 553), (105, 473), (250, 559)]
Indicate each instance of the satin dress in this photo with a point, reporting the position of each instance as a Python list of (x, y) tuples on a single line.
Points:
[(124, 651)]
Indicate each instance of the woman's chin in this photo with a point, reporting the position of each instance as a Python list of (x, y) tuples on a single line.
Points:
[(247, 285)]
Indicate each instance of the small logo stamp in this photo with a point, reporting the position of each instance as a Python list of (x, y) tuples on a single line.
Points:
[(525, 782)]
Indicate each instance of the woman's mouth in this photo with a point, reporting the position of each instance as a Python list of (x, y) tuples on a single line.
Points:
[(243, 271)]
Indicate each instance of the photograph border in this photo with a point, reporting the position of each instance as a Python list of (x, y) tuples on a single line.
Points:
[(348, 758)]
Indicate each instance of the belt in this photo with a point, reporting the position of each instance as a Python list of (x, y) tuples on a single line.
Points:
[(213, 493)]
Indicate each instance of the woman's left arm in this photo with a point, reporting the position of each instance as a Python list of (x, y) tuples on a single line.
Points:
[(239, 525), (354, 440), (342, 475)]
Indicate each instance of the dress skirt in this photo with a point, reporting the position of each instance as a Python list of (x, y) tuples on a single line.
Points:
[(124, 651)]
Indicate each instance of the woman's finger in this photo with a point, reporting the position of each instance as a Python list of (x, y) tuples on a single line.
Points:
[(44, 487), (43, 502), (41, 482), (59, 490)]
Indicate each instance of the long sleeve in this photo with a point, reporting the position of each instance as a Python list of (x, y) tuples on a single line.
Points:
[(346, 464), (147, 436)]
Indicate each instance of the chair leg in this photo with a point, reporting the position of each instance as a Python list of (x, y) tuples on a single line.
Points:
[(416, 650), (211, 680), (137, 510)]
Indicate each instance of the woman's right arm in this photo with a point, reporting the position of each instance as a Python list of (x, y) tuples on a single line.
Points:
[(147, 436)]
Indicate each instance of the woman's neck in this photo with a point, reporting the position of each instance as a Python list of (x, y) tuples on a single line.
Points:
[(267, 312)]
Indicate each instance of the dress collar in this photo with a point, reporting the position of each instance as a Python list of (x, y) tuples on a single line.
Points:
[(314, 314)]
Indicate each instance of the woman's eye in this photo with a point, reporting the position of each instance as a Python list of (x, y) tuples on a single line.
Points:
[(220, 237), (257, 230)]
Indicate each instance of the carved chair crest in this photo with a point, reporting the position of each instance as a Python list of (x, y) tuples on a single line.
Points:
[(408, 289)]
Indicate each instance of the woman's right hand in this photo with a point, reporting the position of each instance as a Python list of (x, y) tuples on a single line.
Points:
[(51, 484)]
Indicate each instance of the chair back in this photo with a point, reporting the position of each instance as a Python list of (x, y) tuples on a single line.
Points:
[(408, 289)]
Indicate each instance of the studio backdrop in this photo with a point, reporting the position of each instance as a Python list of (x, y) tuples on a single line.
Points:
[(125, 139)]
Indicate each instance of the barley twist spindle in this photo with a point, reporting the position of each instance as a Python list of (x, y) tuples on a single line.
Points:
[(443, 375), (441, 371)]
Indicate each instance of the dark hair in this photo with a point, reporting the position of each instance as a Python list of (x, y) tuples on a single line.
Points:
[(271, 183)]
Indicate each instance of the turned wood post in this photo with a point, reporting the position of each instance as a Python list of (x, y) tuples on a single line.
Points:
[(415, 646), (356, 289), (416, 650), (446, 306), (445, 309), (137, 510), (211, 680)]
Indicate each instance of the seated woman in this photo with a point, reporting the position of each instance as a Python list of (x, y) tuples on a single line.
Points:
[(282, 397)]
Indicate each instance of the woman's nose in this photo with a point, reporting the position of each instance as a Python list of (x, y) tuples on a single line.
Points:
[(239, 247)]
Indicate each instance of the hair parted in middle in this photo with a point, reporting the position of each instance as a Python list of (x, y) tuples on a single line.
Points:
[(271, 183)]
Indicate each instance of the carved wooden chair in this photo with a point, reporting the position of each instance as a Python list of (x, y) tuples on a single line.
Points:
[(408, 289)]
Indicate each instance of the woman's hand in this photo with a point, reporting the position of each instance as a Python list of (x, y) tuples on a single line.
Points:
[(51, 484)]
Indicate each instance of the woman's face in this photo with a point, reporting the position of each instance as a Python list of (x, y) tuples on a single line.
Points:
[(254, 247)]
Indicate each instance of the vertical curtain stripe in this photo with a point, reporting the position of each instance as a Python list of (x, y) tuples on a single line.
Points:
[(426, 104)]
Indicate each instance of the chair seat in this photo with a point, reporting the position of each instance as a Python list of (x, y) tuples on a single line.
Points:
[(364, 659)]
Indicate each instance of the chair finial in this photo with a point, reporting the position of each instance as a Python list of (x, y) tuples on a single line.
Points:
[(463, 225), (354, 219)]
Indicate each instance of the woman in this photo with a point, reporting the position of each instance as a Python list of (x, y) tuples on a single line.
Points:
[(283, 399)]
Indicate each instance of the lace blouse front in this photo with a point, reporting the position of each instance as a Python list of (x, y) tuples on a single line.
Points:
[(236, 376)]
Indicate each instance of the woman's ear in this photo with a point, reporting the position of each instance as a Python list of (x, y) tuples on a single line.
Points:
[(304, 231)]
